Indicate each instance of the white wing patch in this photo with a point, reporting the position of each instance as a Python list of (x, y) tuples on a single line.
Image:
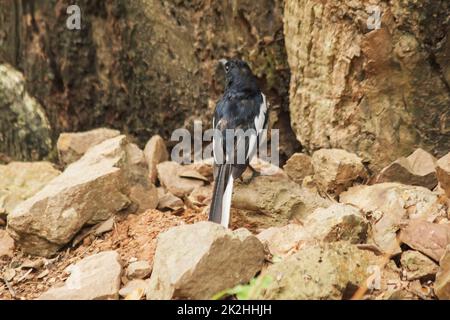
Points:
[(259, 126)]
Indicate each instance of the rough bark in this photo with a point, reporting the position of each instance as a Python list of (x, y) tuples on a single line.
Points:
[(379, 93), (143, 66)]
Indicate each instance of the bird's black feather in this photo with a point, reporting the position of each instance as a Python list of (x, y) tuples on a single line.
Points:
[(241, 107)]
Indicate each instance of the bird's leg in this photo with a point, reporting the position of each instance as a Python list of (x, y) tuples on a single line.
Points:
[(255, 174)]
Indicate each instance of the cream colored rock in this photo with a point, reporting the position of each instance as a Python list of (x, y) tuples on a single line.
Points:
[(155, 152), (283, 241), (96, 277), (136, 286), (429, 238), (318, 271), (199, 260), (418, 169), (6, 245), (73, 145), (168, 201), (335, 170), (391, 203), (88, 191), (298, 167), (201, 196), (270, 201), (337, 222), (169, 176), (21, 180), (443, 173), (442, 283), (139, 269), (418, 266)]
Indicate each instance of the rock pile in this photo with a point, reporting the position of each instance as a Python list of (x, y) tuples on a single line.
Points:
[(319, 229)]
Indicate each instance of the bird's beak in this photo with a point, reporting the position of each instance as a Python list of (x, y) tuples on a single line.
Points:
[(223, 62)]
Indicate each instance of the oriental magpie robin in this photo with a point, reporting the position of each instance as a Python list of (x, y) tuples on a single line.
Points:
[(239, 119)]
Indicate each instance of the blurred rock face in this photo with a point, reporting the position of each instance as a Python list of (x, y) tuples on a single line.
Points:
[(379, 93), (144, 66)]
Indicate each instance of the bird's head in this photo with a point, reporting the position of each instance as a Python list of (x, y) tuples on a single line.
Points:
[(238, 75)]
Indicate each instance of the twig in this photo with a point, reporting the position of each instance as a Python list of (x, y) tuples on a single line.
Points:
[(10, 288), (25, 275)]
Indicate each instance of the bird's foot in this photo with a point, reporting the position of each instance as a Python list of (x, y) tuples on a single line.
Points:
[(252, 176)]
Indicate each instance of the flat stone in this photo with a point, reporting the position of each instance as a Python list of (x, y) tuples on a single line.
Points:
[(96, 277), (73, 145)]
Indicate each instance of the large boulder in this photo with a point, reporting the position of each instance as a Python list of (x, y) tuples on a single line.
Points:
[(373, 91), (418, 169), (319, 271), (21, 180), (335, 170), (199, 260), (389, 204), (96, 277), (88, 191), (269, 201), (25, 131), (73, 145)]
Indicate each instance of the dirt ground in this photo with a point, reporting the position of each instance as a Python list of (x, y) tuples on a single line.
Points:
[(133, 237)]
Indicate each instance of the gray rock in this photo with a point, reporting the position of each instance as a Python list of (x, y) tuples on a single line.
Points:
[(26, 133), (96, 277), (199, 260), (319, 271)]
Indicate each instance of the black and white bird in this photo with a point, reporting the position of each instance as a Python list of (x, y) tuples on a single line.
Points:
[(242, 108)]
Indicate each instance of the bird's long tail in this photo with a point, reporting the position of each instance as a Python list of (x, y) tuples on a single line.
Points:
[(219, 211)]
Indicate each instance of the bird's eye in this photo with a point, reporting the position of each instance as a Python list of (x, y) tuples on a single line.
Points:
[(227, 67)]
